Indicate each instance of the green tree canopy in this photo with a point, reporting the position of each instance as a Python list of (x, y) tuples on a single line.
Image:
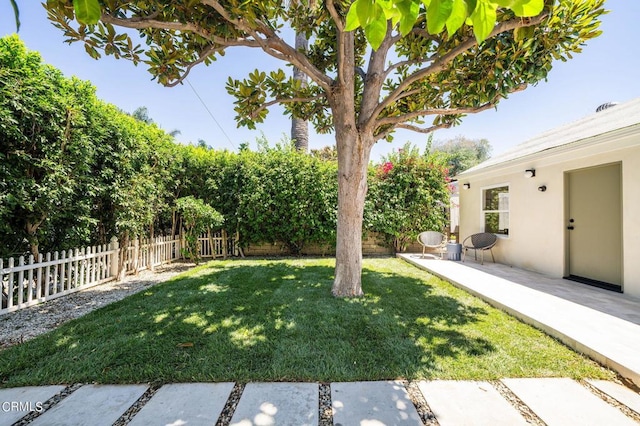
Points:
[(422, 76), (464, 153)]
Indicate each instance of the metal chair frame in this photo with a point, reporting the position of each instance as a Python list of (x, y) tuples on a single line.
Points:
[(481, 241)]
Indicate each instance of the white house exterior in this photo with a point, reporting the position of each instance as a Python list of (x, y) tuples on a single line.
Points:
[(566, 203)]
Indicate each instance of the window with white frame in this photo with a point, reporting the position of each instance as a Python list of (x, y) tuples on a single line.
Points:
[(495, 209)]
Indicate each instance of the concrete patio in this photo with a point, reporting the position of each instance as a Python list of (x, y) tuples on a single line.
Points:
[(601, 324)]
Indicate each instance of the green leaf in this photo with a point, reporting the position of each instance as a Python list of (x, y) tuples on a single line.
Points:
[(458, 15), (523, 33), (437, 14), (366, 10), (376, 30), (505, 3), (526, 8), (484, 19), (409, 11), (392, 10), (87, 11), (352, 19)]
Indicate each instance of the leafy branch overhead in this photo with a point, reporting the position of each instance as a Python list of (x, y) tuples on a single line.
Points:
[(372, 15), (439, 67)]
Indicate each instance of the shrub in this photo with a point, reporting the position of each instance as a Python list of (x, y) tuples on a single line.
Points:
[(287, 197), (197, 217), (408, 194)]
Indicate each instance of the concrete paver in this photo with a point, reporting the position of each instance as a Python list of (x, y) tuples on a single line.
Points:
[(456, 403), (15, 403), (618, 392), (580, 316), (565, 402), (266, 404), (562, 402), (372, 404), (192, 404), (94, 405)]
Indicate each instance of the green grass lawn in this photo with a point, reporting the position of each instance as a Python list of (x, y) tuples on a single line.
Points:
[(275, 320)]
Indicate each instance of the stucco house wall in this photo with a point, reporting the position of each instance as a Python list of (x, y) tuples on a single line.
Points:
[(538, 221)]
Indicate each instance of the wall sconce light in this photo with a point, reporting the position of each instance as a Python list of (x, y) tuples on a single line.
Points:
[(542, 188), (529, 173), (467, 185)]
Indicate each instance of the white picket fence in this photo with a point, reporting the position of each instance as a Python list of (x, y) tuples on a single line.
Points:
[(147, 254), (27, 282)]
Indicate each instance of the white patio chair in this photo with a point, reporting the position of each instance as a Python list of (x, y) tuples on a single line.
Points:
[(432, 240)]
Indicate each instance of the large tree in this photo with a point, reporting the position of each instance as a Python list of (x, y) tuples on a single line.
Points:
[(417, 70)]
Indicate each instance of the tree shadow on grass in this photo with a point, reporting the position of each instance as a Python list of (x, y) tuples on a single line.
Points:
[(257, 321)]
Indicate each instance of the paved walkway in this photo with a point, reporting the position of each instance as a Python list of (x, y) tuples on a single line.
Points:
[(601, 324), (552, 402)]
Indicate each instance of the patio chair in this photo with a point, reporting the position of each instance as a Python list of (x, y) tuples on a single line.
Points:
[(481, 241), (432, 240)]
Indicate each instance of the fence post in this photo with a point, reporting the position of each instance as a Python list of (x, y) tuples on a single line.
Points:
[(224, 244), (151, 250), (182, 244), (115, 257), (136, 255)]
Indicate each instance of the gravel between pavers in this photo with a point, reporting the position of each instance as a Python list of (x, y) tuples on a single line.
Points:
[(25, 324)]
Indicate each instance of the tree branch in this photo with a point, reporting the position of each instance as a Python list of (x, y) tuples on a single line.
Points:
[(271, 43), (345, 55), (397, 121), (433, 111), (397, 65), (374, 81), (202, 57), (278, 48), (274, 46), (413, 128), (145, 23), (416, 31), (331, 7), (440, 63), (266, 105), (238, 23)]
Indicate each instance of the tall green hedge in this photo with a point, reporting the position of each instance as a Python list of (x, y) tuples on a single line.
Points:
[(76, 171)]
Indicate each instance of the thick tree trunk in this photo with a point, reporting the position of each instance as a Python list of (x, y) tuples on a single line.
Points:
[(299, 127), (353, 159), (354, 140)]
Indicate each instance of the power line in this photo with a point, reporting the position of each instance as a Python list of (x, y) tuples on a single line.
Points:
[(210, 113)]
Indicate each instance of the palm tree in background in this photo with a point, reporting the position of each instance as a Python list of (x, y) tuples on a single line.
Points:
[(300, 127)]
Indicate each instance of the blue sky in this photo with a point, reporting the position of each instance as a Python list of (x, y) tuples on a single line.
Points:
[(608, 69)]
